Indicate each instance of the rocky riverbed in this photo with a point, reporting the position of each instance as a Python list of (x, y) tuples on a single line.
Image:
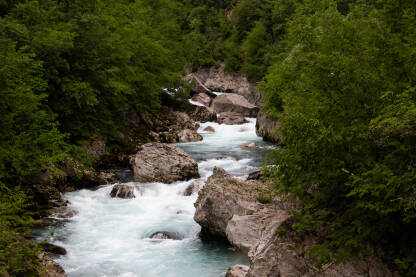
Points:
[(194, 207)]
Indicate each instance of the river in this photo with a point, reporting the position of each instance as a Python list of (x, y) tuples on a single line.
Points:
[(109, 237)]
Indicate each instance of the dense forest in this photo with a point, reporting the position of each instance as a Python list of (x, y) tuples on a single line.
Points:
[(339, 75)]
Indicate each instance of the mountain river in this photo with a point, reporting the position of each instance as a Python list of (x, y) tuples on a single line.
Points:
[(110, 237)]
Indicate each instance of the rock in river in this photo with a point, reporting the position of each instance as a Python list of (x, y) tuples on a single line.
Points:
[(203, 114), (209, 129), (234, 103), (202, 98), (158, 162), (231, 118), (166, 235), (122, 191)]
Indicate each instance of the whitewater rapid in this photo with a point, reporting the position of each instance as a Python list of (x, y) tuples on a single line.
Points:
[(109, 237)]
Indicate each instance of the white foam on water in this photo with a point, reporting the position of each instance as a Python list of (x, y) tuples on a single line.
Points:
[(196, 103), (109, 236)]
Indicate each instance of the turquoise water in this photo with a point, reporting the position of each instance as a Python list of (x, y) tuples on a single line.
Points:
[(109, 237)]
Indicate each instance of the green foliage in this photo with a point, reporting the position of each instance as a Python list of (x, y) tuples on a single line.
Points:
[(68, 70), (18, 255), (345, 95), (29, 138)]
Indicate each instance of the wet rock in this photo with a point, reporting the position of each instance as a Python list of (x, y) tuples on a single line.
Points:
[(237, 271), (169, 126), (250, 145), (45, 222), (122, 191), (158, 162), (197, 85), (53, 249), (231, 118), (203, 114), (220, 199), (209, 129), (256, 175), (234, 103), (268, 128), (166, 235), (188, 135), (49, 268), (62, 212), (192, 188), (202, 98)]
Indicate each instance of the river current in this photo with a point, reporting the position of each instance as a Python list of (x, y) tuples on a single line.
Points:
[(109, 237)]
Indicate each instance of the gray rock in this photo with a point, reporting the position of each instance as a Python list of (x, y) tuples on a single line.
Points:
[(122, 191), (209, 129), (231, 118), (53, 249), (202, 98), (158, 162), (49, 268), (234, 103), (237, 271), (203, 114), (188, 135), (166, 235), (220, 199), (268, 128), (256, 175), (192, 188)]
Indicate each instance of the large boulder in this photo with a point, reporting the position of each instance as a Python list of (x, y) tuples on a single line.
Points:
[(203, 114), (202, 98), (122, 191), (231, 102), (231, 118), (220, 200), (268, 128), (158, 162)]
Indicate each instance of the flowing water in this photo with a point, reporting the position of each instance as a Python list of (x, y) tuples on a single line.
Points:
[(109, 237)]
